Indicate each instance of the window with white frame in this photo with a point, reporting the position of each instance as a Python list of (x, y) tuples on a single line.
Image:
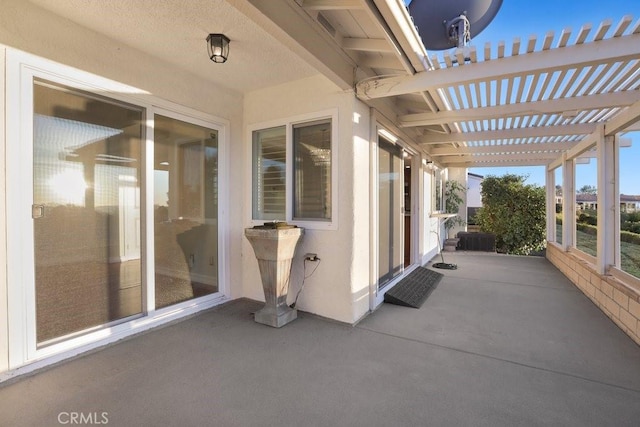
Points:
[(269, 173), (558, 204), (629, 188), (437, 195), (312, 171), (292, 172), (586, 215)]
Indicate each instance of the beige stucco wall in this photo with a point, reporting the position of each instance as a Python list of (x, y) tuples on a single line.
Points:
[(339, 287), (26, 27), (359, 177), (4, 331)]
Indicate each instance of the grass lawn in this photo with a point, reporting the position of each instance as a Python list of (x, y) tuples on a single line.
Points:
[(629, 253)]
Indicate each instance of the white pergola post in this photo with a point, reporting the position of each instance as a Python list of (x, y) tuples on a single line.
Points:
[(550, 184), (568, 204), (607, 204), (616, 192)]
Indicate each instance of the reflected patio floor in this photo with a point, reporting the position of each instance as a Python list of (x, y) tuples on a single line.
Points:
[(501, 341)]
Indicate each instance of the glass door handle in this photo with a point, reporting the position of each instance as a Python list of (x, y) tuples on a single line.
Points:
[(37, 211)]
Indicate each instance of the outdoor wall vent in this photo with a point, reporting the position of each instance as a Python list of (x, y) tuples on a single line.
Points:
[(326, 24)]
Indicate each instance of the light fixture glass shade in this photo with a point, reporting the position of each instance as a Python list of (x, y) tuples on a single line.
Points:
[(218, 47)]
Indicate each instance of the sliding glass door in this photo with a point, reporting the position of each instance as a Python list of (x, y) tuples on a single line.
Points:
[(89, 237), (86, 210), (113, 210), (185, 210), (390, 212)]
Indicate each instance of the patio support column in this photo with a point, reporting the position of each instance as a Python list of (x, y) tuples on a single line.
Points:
[(568, 203), (616, 196), (421, 243), (608, 217), (550, 186)]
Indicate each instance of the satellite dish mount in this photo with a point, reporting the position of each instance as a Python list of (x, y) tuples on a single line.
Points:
[(458, 17), (458, 30)]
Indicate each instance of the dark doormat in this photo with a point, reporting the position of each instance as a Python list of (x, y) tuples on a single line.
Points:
[(413, 290)]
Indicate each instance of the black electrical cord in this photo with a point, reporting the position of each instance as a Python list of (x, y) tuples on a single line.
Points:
[(305, 277)]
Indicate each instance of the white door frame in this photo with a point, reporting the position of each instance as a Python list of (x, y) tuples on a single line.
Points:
[(376, 298)]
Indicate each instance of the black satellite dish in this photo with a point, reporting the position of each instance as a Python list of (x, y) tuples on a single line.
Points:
[(444, 24)]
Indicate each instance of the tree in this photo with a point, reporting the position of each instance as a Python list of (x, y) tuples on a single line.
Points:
[(514, 212), (588, 189)]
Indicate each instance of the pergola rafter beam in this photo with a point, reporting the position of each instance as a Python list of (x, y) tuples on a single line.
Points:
[(615, 49), (505, 134), (490, 163), (540, 158), (506, 149), (552, 106), (623, 120), (414, 105)]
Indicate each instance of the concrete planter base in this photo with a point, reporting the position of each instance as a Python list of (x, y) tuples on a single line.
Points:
[(274, 249), (277, 316)]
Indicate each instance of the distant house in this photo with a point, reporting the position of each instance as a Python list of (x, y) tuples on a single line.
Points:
[(584, 201), (629, 203)]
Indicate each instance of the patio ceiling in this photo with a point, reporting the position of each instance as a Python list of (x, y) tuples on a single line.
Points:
[(175, 32)]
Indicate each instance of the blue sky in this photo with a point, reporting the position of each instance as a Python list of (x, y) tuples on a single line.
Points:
[(521, 18)]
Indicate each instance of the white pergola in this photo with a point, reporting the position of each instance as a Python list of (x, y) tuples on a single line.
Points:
[(525, 104)]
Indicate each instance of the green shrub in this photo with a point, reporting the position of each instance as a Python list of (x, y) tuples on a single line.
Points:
[(587, 228), (631, 226), (631, 217), (588, 218), (626, 236), (514, 212)]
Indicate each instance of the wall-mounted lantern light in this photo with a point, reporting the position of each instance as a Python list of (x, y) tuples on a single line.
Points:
[(218, 47)]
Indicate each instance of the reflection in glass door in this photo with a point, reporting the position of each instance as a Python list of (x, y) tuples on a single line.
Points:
[(185, 210), (86, 211), (390, 215)]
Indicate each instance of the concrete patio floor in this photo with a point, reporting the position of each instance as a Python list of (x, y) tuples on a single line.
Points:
[(502, 341)]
